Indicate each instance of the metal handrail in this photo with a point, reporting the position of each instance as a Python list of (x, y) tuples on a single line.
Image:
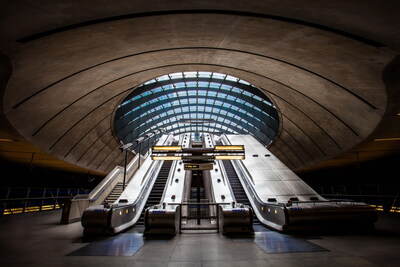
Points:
[(225, 177), (155, 165), (99, 189), (105, 185)]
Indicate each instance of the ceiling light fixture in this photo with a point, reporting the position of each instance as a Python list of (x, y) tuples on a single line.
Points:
[(6, 140), (387, 139)]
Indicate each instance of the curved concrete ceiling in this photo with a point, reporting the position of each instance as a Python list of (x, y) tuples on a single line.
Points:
[(326, 79)]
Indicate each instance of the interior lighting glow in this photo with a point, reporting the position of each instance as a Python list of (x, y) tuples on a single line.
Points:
[(167, 148), (239, 147), (229, 157), (387, 139), (166, 157)]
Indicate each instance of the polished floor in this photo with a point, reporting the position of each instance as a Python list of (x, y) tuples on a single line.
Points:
[(39, 240)]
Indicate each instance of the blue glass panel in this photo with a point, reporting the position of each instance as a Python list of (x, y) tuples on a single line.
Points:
[(231, 98), (244, 82), (177, 75), (150, 82), (180, 85), (226, 87), (202, 93), (222, 95), (182, 93), (247, 94), (240, 101), (231, 78), (136, 97), (218, 103), (204, 84), (156, 90), (215, 85), (146, 93), (237, 90), (205, 74), (212, 93), (257, 98), (218, 76), (163, 78), (191, 74), (168, 87)]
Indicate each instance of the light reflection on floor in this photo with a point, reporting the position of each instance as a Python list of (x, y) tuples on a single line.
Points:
[(127, 244)]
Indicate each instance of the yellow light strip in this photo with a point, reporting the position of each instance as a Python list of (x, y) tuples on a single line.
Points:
[(387, 139), (167, 148), (239, 147), (223, 157), (166, 157), (29, 209)]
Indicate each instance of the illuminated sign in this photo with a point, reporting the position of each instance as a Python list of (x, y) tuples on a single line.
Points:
[(198, 166)]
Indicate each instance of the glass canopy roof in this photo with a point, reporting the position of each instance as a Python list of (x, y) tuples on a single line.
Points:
[(196, 102)]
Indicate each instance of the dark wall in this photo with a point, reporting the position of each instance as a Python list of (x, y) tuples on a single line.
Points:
[(16, 175), (380, 172)]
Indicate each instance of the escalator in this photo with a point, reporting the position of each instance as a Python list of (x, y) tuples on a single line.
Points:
[(158, 189), (237, 187)]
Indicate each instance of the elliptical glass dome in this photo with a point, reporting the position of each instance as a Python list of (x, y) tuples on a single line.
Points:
[(196, 101)]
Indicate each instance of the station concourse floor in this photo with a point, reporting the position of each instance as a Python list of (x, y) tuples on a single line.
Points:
[(37, 239)]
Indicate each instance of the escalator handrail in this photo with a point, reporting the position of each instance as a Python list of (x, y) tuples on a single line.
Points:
[(150, 177), (226, 178), (170, 178), (245, 176), (106, 183)]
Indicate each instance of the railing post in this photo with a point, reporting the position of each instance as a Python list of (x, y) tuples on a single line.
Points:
[(44, 195), (126, 159), (26, 200), (55, 200), (180, 218), (217, 206), (7, 197)]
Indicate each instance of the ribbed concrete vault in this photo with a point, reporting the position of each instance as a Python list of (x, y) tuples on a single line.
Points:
[(65, 87)]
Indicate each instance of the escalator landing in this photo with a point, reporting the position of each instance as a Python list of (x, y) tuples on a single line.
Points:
[(129, 243)]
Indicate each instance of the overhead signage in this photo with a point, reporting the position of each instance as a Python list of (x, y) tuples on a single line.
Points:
[(198, 166)]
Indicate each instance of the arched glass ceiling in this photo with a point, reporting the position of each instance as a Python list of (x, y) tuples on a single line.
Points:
[(196, 102)]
